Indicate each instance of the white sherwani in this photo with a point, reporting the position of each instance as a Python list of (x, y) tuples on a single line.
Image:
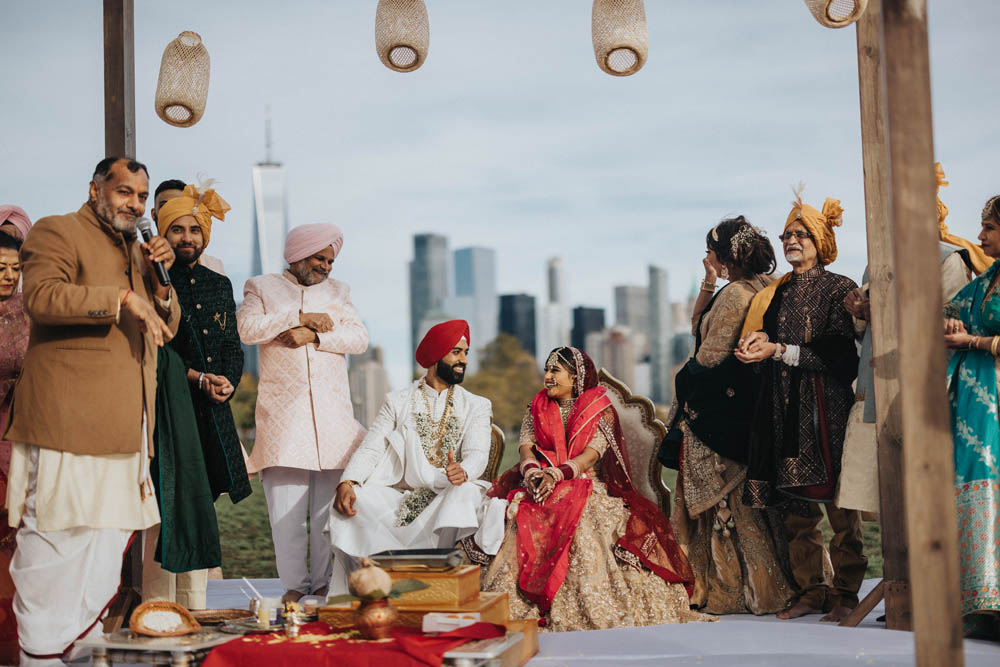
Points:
[(391, 463)]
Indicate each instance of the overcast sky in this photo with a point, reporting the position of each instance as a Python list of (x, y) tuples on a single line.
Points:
[(509, 136)]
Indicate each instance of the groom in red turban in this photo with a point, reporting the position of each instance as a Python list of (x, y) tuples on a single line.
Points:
[(414, 481)]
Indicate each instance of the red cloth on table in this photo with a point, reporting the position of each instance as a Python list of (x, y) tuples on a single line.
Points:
[(408, 647)]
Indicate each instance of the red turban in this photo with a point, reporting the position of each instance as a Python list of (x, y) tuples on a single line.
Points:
[(440, 340)]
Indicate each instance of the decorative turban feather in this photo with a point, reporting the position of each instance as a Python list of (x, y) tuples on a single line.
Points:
[(980, 260), (16, 216), (203, 206), (307, 240), (820, 226), (440, 340)]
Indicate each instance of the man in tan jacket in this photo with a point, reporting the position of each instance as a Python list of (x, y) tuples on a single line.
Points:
[(82, 420)]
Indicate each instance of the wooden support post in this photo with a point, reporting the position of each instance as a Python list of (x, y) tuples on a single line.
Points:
[(888, 426), (119, 139), (119, 78), (931, 523)]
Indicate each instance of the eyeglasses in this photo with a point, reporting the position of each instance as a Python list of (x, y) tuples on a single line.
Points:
[(788, 236)]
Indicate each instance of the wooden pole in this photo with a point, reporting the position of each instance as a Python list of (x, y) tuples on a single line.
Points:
[(888, 426), (119, 139), (929, 477), (119, 78)]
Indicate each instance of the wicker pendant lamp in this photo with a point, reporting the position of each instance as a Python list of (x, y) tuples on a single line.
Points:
[(621, 42), (836, 13), (182, 89), (402, 34)]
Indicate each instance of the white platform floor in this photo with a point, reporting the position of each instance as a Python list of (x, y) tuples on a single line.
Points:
[(733, 640)]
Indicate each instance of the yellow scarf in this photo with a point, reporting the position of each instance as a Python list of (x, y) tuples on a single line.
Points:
[(980, 260)]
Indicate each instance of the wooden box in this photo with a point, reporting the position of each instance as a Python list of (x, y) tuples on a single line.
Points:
[(492, 608), (455, 586), (529, 647)]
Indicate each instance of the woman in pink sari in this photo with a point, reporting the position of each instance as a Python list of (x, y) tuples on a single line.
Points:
[(583, 550), (14, 225)]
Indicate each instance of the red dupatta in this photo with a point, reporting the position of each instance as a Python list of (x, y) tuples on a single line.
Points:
[(545, 532)]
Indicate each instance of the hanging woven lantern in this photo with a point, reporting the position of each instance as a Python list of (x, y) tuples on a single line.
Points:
[(182, 89), (836, 13), (621, 42), (402, 34)]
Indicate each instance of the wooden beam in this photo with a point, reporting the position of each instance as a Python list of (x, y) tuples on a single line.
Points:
[(119, 78), (888, 426), (929, 475), (865, 606), (119, 139)]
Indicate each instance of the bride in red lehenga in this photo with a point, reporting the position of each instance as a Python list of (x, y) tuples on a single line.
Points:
[(583, 550)]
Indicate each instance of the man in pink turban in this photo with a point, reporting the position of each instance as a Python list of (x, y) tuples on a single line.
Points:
[(414, 482), (304, 324), (14, 221)]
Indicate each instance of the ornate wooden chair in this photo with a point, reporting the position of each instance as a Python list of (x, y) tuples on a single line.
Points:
[(497, 447), (643, 433)]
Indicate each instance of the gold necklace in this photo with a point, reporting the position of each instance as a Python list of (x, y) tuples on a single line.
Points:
[(442, 425)]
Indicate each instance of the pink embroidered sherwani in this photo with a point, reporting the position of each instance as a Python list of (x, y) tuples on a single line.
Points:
[(306, 431)]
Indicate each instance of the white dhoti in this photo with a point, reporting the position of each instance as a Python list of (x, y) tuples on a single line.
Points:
[(76, 515), (295, 496), (188, 589)]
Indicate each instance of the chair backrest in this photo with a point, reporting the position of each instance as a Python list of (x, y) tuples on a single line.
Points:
[(643, 433), (497, 446)]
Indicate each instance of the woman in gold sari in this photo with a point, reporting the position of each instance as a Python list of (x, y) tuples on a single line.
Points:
[(583, 550), (729, 545)]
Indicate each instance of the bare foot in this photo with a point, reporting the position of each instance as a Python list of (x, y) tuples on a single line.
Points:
[(797, 610), (837, 614), (290, 596)]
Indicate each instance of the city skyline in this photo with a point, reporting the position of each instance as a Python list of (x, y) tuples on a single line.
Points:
[(536, 153)]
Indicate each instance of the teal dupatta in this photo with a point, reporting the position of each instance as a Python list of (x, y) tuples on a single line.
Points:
[(975, 424)]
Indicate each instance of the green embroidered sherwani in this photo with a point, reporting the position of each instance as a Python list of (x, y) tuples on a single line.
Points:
[(208, 342)]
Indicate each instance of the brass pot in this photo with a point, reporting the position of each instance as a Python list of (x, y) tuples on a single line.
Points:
[(376, 618)]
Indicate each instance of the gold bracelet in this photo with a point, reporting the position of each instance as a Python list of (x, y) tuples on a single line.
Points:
[(993, 345)]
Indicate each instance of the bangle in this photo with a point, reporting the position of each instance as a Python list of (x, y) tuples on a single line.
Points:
[(201, 379), (993, 345), (707, 286), (778, 352), (555, 473), (527, 465), (569, 470), (974, 343), (128, 293)]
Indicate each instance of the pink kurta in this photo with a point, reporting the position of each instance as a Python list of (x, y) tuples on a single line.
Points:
[(304, 414)]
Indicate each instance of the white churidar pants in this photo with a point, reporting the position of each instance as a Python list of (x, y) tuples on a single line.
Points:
[(293, 496), (188, 589), (64, 580)]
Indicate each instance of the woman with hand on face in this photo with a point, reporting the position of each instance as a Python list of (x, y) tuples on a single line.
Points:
[(730, 546), (583, 550), (972, 329), (13, 345)]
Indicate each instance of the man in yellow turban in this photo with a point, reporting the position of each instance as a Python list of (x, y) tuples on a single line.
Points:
[(208, 343), (801, 334), (174, 189)]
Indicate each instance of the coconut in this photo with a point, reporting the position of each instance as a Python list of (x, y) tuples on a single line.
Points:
[(369, 581)]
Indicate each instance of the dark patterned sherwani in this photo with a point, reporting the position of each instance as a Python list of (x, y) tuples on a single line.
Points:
[(799, 431), (208, 342)]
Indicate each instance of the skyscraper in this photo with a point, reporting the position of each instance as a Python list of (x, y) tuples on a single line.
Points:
[(475, 298), (270, 212), (517, 318), (369, 384), (660, 334), (632, 307), (270, 224), (586, 320), (428, 280), (554, 329)]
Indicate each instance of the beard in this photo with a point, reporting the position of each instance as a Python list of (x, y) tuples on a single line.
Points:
[(793, 255), (306, 275), (188, 254), (123, 220), (451, 374)]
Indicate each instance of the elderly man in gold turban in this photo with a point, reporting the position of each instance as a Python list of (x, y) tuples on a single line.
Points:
[(801, 334)]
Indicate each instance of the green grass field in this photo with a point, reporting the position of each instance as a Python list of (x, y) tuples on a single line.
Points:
[(247, 550)]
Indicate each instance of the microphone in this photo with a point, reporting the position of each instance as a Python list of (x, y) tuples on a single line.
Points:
[(145, 227)]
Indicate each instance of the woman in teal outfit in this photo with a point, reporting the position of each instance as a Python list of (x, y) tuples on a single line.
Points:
[(972, 329)]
